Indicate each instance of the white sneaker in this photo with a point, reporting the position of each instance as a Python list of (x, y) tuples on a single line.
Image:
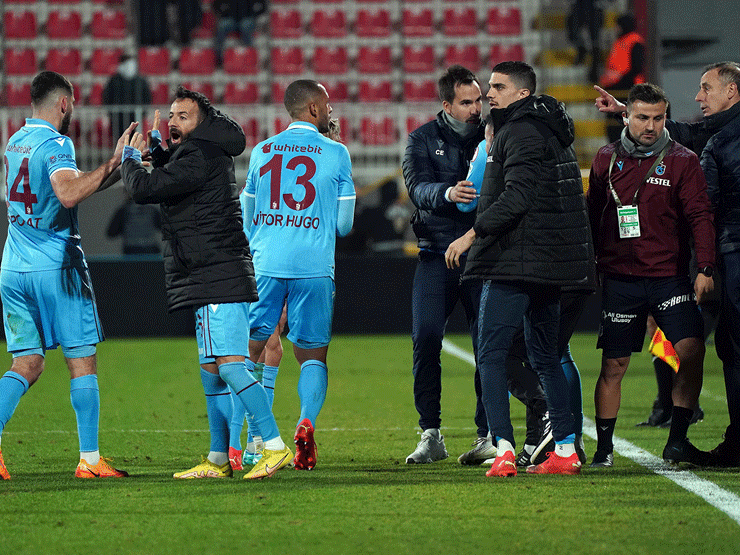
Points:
[(430, 448), (482, 451)]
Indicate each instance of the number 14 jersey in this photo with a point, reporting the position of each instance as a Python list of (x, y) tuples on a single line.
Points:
[(297, 179), (42, 234)]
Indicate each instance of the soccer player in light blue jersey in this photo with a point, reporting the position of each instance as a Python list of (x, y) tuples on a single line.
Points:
[(45, 286), (298, 198)]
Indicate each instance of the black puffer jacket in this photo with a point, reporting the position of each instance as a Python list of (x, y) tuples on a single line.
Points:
[(206, 254), (720, 161), (695, 135), (531, 223), (437, 158)]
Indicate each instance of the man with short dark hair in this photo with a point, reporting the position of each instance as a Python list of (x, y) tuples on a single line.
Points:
[(642, 251), (45, 284), (435, 166), (530, 239), (208, 266), (298, 198)]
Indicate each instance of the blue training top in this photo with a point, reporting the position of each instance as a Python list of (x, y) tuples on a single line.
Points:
[(475, 175), (42, 234)]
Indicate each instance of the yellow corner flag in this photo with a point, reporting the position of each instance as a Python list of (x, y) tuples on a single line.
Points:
[(662, 348)]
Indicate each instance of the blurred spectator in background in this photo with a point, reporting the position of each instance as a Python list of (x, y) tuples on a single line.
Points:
[(154, 21), (624, 68), (236, 15), (126, 88), (589, 14), (381, 228), (140, 226)]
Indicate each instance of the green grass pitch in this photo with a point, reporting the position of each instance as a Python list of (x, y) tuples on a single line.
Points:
[(361, 498)]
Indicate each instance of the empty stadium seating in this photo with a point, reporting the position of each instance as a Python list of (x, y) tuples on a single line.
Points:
[(338, 91), (375, 24), (329, 24), (104, 61), (419, 59), (64, 25), (287, 61), (467, 56), (420, 91), (19, 25), (377, 131), (197, 61), (204, 87), (331, 61), (67, 61), (460, 22), (417, 23), (503, 52), (17, 94), (154, 60), (374, 60), (286, 24), (241, 60), (375, 92), (109, 24), (20, 61), (504, 21), (241, 93)]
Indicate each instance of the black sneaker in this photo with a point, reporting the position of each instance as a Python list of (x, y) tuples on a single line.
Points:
[(684, 451), (658, 418), (696, 417), (602, 459), (725, 455), (523, 459), (546, 444)]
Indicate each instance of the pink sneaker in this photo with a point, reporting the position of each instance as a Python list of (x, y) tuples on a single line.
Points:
[(503, 466), (555, 464)]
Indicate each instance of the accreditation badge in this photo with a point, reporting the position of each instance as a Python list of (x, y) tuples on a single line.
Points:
[(629, 222)]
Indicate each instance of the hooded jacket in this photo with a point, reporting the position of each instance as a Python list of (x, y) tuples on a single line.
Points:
[(436, 158), (531, 224), (720, 161), (206, 254)]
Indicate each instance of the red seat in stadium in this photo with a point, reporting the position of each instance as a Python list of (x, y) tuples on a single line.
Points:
[(337, 91), (104, 61), (241, 93), (20, 61), (251, 127), (287, 61), (197, 61), (329, 24), (503, 53), (207, 27), (330, 61), (374, 60), (19, 25), (95, 98), (277, 92), (161, 94), (204, 87), (373, 25), (375, 92), (467, 56), (420, 91), (461, 23), (286, 24), (64, 25), (242, 60), (417, 23), (280, 124), (414, 122), (101, 133), (109, 24), (377, 131), (154, 60), (17, 94), (504, 21), (419, 59), (67, 61)]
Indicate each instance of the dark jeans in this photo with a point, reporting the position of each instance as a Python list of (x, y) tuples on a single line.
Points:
[(727, 337), (503, 305), (436, 291)]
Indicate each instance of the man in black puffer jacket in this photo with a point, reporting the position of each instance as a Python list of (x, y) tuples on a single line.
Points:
[(207, 264), (530, 239), (435, 166), (720, 161)]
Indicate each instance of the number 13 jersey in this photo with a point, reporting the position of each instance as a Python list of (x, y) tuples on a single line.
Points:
[(297, 179), (42, 234)]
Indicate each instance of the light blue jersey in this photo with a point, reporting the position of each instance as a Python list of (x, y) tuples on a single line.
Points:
[(295, 184), (475, 175), (42, 234)]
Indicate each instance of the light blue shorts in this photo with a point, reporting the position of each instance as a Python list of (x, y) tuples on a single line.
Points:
[(310, 304), (221, 330), (45, 309)]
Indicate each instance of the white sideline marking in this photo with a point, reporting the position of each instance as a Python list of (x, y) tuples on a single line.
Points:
[(719, 498)]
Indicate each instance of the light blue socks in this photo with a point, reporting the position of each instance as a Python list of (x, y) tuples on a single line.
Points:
[(219, 407), (85, 397), (252, 395), (312, 387)]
